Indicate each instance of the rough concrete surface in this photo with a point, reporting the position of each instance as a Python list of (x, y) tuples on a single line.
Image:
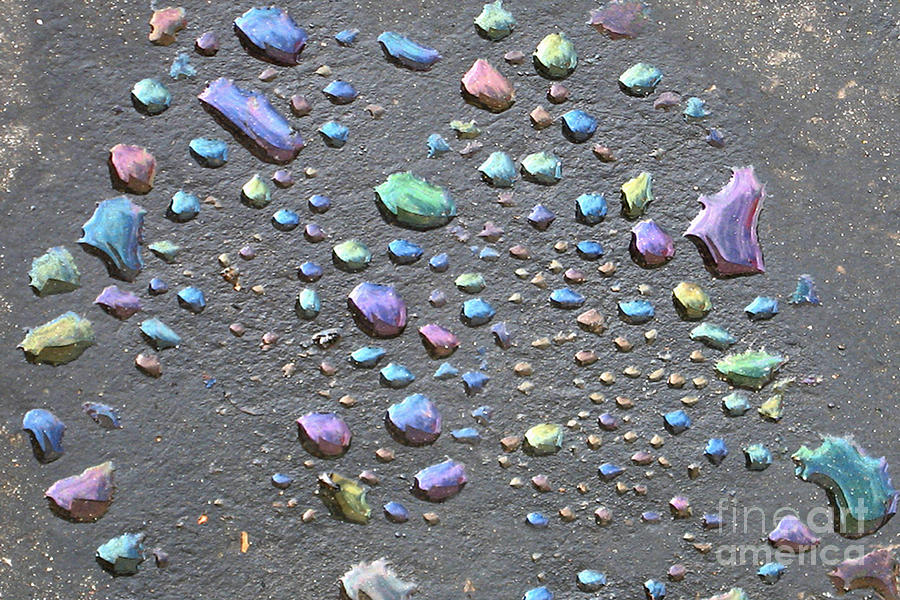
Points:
[(804, 90)]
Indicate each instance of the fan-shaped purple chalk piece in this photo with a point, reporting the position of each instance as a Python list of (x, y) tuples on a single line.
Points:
[(725, 229)]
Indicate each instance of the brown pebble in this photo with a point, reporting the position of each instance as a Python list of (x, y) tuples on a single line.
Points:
[(676, 380), (591, 320), (510, 443), (594, 441), (676, 572), (642, 458), (540, 118), (622, 344), (308, 516), (519, 252), (385, 455), (431, 518), (607, 378), (624, 403), (640, 490), (607, 269), (376, 111), (697, 356), (347, 401), (603, 153), (523, 369), (327, 368), (514, 57), (567, 514), (693, 471), (504, 462), (573, 276), (603, 516), (300, 106), (369, 478), (557, 93), (148, 364), (541, 483), (505, 198), (237, 329), (657, 375), (585, 358), (631, 371)]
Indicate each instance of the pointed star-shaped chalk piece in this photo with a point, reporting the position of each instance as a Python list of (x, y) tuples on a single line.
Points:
[(877, 570), (725, 229)]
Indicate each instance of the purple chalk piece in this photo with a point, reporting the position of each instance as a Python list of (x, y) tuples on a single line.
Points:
[(377, 309), (650, 245), (83, 497), (725, 229), (119, 303), (440, 482), (253, 120), (324, 434)]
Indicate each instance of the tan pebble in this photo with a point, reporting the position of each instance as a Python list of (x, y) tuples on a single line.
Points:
[(676, 380), (592, 321), (607, 269), (622, 344), (690, 400), (510, 443), (523, 369), (541, 343), (657, 375), (384, 454), (585, 358)]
